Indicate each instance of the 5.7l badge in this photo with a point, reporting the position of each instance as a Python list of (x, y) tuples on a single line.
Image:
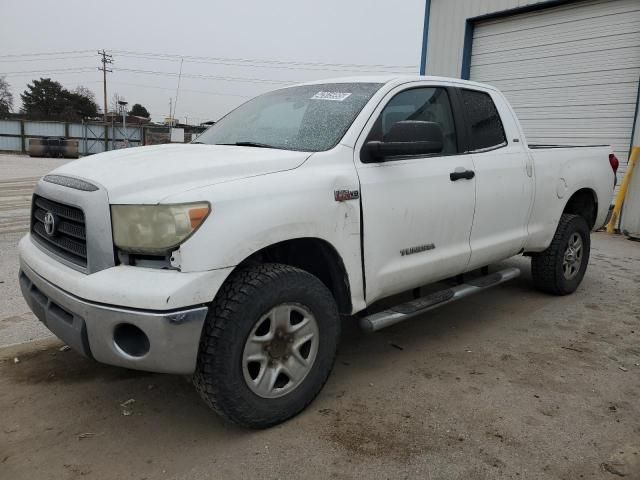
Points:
[(344, 195)]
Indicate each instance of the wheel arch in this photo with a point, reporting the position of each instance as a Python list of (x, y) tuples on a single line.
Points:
[(583, 202), (313, 255)]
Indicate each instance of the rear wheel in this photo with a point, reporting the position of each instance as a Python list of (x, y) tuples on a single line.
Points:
[(561, 267), (268, 345)]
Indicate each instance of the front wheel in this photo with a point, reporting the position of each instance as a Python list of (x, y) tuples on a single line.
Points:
[(561, 267), (268, 345)]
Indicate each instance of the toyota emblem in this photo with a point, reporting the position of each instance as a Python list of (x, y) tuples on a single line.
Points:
[(50, 224)]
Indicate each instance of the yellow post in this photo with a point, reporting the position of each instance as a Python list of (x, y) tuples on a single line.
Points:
[(617, 206)]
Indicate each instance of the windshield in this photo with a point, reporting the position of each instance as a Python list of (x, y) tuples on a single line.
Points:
[(309, 118)]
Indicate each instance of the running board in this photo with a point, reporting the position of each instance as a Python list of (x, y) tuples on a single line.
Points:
[(404, 311)]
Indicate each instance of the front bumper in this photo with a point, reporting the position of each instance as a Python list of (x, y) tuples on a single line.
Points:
[(126, 286), (168, 343)]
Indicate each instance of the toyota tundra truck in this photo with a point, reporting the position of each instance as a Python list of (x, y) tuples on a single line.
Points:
[(234, 258)]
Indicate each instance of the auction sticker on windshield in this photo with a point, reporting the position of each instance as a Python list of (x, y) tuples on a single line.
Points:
[(335, 96)]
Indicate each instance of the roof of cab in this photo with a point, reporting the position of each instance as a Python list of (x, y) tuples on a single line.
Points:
[(397, 79)]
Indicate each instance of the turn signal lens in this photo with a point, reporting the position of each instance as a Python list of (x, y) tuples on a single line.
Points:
[(197, 216)]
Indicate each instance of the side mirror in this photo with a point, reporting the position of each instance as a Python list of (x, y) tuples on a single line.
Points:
[(408, 137)]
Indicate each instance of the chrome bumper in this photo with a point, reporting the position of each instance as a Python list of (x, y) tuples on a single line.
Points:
[(155, 341)]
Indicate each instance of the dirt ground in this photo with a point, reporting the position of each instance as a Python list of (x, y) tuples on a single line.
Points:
[(511, 383), (18, 175)]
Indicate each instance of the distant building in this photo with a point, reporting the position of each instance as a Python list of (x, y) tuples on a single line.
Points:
[(113, 117), (170, 122)]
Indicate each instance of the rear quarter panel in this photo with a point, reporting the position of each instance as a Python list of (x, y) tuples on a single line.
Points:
[(558, 174)]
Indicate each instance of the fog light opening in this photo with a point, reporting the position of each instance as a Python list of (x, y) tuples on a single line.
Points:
[(131, 340)]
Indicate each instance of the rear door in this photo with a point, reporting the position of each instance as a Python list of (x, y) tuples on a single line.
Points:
[(416, 219), (504, 177)]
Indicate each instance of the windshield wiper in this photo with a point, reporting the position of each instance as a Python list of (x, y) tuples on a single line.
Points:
[(249, 144)]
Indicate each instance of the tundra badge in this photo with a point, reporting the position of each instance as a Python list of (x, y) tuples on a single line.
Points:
[(418, 249)]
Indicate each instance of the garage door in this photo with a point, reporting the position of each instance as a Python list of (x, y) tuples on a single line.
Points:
[(571, 72)]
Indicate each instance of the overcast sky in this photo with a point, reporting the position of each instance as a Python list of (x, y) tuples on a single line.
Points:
[(240, 39)]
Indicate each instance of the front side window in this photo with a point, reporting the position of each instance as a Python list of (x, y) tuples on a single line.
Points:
[(483, 117), (425, 104), (310, 118)]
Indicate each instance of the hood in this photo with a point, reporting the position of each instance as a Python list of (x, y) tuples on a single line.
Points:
[(146, 175)]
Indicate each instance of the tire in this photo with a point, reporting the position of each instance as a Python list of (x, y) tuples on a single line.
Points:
[(247, 310), (550, 272)]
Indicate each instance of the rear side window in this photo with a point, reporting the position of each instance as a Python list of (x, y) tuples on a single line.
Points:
[(486, 127)]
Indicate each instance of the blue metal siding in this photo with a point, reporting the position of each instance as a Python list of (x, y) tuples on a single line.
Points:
[(425, 37)]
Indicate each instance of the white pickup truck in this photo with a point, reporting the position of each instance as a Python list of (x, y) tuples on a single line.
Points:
[(233, 258)]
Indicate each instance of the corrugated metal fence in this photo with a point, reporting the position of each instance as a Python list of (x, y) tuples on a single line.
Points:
[(92, 137)]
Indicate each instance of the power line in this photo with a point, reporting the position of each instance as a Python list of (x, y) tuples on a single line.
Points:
[(150, 72), (61, 70), (109, 60), (206, 77), (42, 54), (204, 92), (262, 61), (45, 59), (221, 60), (271, 66)]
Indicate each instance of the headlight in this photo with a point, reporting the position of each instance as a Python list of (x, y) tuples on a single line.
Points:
[(155, 229)]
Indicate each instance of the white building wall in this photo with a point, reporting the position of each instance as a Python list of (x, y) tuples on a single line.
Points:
[(447, 20), (630, 219), (570, 71), (580, 116)]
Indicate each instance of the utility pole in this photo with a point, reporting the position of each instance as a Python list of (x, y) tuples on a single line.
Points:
[(105, 60), (170, 112), (123, 104)]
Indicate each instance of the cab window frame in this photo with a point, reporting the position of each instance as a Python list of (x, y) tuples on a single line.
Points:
[(458, 125)]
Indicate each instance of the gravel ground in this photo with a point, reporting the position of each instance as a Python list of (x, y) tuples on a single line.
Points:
[(508, 384)]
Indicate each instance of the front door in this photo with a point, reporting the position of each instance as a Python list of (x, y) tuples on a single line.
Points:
[(416, 218)]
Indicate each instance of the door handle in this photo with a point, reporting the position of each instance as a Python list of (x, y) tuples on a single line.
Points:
[(466, 174)]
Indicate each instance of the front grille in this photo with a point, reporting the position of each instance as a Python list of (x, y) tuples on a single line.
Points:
[(69, 239)]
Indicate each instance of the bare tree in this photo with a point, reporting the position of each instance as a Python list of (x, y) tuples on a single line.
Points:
[(85, 92), (84, 102), (6, 97)]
